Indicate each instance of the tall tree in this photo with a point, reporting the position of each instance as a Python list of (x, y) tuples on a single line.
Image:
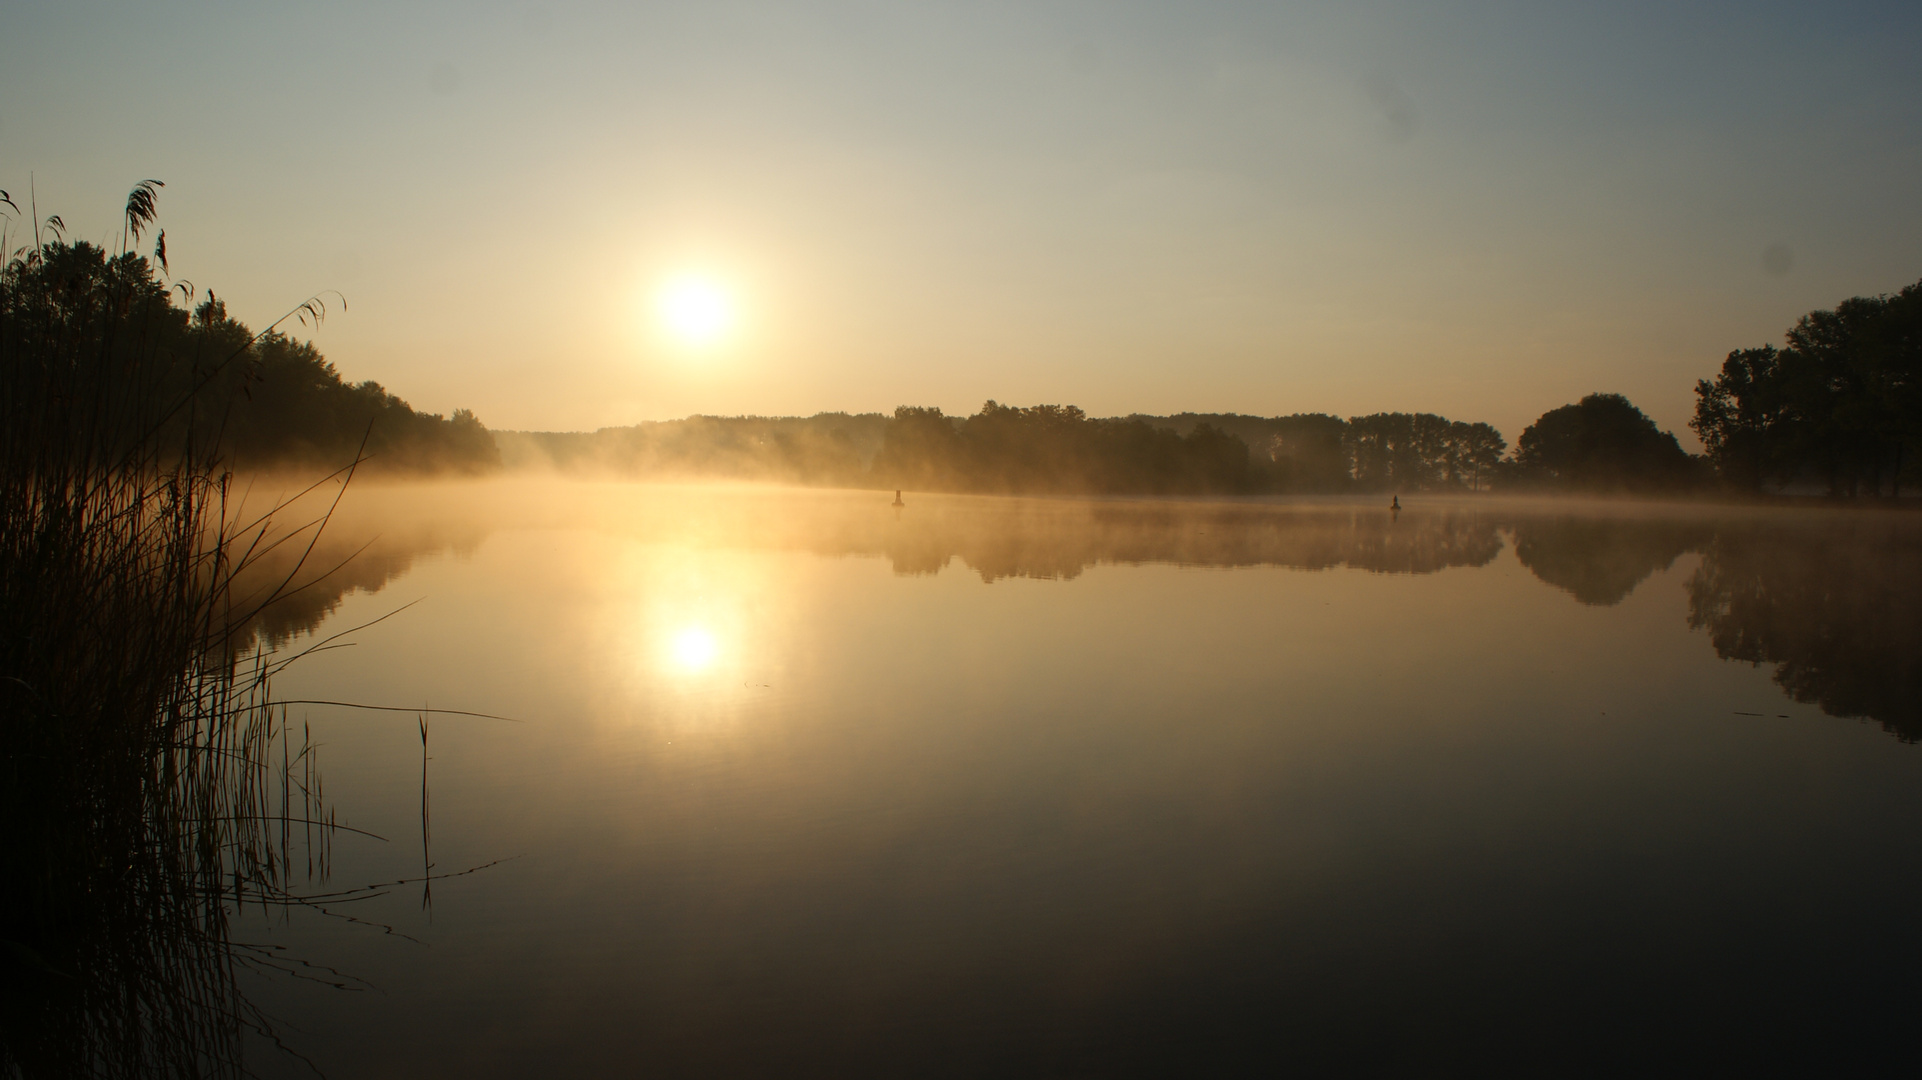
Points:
[(921, 450), (1841, 402), (1744, 420), (1474, 452), (1057, 448), (1420, 452), (1601, 443)]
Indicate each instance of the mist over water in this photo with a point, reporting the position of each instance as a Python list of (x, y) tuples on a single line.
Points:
[(1327, 650), (803, 782)]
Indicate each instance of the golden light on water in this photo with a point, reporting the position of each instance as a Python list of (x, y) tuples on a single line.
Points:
[(694, 618), (695, 311), (694, 648)]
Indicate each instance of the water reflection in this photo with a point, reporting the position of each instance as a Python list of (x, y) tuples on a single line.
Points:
[(370, 539), (1835, 605), (1599, 560), (1833, 598), (798, 792), (156, 790), (694, 649), (1036, 539)]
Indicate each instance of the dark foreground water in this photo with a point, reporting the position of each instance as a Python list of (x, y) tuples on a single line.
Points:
[(806, 785)]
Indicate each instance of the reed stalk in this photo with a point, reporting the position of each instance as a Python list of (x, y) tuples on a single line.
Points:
[(149, 785)]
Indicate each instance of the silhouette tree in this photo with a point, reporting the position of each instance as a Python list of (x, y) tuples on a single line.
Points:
[(1475, 452), (1601, 444), (1420, 452), (1396, 451), (1298, 453), (1056, 449), (267, 401), (1745, 421), (1841, 402), (827, 448), (921, 450)]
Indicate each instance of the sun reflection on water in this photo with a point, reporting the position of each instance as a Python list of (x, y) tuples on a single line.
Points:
[(693, 649), (699, 629)]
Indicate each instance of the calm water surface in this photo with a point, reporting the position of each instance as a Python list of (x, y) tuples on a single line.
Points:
[(802, 784)]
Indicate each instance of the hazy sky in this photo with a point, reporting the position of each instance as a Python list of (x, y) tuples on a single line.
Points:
[(1478, 209)]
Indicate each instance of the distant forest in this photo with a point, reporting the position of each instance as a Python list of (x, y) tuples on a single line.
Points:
[(1058, 449), (1836, 410), (1041, 449), (827, 449)]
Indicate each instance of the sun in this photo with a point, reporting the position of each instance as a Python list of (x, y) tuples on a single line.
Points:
[(695, 310)]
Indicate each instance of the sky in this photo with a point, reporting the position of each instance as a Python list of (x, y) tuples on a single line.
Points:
[(1484, 210)]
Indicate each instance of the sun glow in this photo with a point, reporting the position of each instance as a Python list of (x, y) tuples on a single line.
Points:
[(693, 648), (695, 311)]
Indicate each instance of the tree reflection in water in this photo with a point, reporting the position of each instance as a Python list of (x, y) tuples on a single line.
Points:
[(1835, 603), (1830, 596), (1830, 599), (1600, 560), (1038, 539)]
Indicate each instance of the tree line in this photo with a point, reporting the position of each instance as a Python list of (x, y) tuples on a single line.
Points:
[(1836, 409), (825, 449), (1056, 449), (265, 400), (1600, 444)]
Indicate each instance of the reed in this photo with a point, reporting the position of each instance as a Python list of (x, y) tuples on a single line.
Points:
[(148, 782)]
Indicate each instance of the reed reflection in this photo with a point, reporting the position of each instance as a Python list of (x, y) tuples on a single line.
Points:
[(293, 585)]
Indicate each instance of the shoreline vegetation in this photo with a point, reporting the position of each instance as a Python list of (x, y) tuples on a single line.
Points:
[(150, 785)]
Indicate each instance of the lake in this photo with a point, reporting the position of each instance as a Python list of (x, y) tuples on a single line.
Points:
[(801, 783)]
